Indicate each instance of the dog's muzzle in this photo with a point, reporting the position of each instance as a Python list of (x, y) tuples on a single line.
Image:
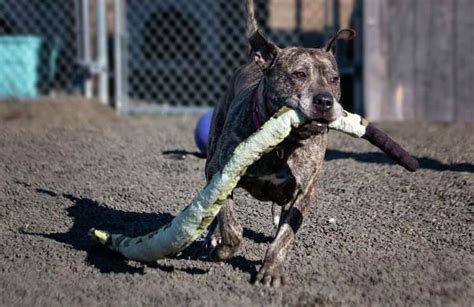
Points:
[(323, 102)]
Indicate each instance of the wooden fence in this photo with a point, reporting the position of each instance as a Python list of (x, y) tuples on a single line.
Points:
[(419, 60)]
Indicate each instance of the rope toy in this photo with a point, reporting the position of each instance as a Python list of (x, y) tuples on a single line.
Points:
[(193, 220), (357, 126)]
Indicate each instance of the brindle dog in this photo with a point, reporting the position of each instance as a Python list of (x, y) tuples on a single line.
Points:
[(301, 78)]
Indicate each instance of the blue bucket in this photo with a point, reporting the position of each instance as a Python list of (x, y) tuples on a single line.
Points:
[(19, 59)]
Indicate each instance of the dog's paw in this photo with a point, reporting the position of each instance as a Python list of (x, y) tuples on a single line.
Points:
[(271, 277), (222, 252)]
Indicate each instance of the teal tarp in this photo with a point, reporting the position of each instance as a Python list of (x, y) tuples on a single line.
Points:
[(19, 60)]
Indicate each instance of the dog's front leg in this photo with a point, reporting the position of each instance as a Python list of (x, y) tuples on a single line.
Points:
[(271, 273)]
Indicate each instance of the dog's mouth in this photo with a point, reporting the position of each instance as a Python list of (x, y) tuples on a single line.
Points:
[(316, 116), (325, 118), (322, 121)]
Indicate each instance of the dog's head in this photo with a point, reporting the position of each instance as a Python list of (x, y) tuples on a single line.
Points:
[(301, 78)]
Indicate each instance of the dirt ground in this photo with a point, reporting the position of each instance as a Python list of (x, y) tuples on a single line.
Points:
[(395, 238)]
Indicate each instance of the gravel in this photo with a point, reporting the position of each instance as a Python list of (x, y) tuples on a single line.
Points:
[(378, 235)]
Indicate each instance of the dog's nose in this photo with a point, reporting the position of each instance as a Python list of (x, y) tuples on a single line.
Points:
[(324, 100)]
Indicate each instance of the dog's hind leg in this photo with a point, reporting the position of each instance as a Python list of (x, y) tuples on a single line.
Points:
[(228, 233)]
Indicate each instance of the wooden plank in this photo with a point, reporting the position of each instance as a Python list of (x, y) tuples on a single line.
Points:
[(434, 60), (400, 100), (375, 72), (464, 56)]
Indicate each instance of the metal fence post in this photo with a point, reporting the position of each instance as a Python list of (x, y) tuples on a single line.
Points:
[(102, 51), (85, 44), (121, 103)]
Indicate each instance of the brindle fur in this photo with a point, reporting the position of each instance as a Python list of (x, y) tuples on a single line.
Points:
[(288, 175)]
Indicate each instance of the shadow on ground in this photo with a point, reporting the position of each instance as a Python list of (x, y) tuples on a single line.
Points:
[(381, 158), (366, 157), (88, 213)]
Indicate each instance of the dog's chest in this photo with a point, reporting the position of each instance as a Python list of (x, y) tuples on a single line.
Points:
[(280, 174), (270, 178), (272, 169), (279, 186)]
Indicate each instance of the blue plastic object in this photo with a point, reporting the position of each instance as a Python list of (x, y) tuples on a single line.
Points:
[(19, 59), (201, 132)]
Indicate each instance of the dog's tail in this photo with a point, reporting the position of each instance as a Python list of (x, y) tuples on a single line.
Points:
[(252, 26)]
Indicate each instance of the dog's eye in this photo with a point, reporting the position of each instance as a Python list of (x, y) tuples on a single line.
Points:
[(299, 74), (334, 79)]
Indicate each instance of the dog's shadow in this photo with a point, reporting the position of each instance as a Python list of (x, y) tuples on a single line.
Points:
[(88, 213)]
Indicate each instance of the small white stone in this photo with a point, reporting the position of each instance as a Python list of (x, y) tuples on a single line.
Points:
[(332, 220)]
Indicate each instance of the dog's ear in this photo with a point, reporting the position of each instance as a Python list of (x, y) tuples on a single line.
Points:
[(345, 34), (262, 50)]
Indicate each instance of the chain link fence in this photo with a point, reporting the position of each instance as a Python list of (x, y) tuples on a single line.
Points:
[(180, 54), (145, 55)]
